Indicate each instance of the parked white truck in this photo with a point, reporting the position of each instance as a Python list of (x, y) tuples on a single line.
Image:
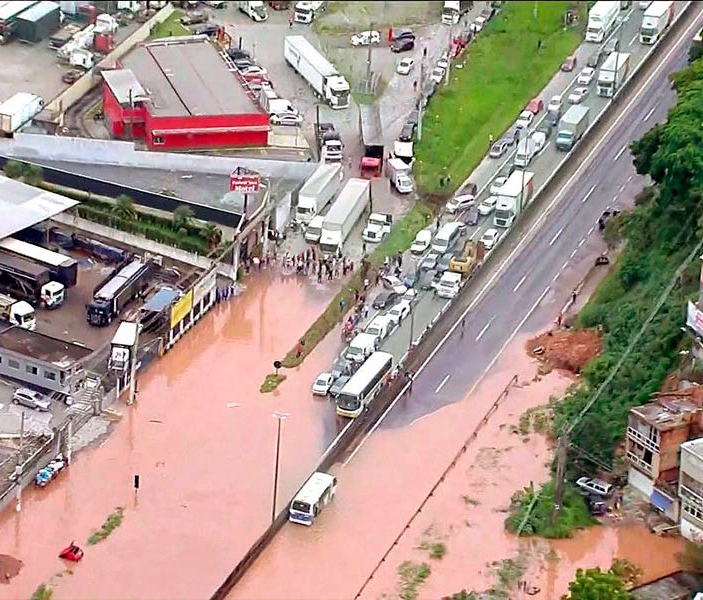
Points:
[(305, 12), (321, 74), (529, 147), (274, 105), (399, 175), (612, 74), (514, 195), (377, 227), (453, 11), (18, 110), (571, 127), (656, 21), (256, 11), (601, 20), (318, 191), (18, 312), (345, 212)]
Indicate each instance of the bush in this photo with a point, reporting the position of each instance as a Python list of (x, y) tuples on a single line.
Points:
[(14, 169)]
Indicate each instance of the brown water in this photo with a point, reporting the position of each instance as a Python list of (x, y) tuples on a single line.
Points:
[(380, 490), (202, 438)]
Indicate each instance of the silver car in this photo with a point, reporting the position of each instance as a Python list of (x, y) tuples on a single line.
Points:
[(31, 399)]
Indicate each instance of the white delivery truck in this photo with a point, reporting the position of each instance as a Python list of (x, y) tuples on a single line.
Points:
[(313, 231), (453, 11), (529, 147), (514, 195), (274, 105), (399, 175), (305, 12), (321, 74), (378, 225), (361, 347), (318, 191), (19, 110), (18, 312), (656, 21), (256, 11), (601, 20), (613, 74), (571, 127), (344, 214)]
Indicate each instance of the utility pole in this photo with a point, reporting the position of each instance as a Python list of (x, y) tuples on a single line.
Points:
[(20, 467), (420, 103), (562, 448), (368, 64), (280, 417), (133, 367)]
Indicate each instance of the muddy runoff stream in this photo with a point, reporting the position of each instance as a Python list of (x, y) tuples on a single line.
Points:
[(202, 438)]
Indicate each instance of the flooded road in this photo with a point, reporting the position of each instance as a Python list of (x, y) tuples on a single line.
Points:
[(202, 438)]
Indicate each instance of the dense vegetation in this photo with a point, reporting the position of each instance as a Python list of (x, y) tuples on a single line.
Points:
[(594, 584), (660, 235)]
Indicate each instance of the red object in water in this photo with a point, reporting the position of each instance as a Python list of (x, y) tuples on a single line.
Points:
[(72, 553)]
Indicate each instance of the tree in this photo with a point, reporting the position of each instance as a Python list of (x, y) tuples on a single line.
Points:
[(124, 208), (182, 216), (695, 51), (594, 584), (212, 234)]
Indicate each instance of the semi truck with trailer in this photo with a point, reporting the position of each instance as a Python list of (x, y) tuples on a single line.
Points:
[(612, 74), (28, 281), (18, 111), (514, 195), (122, 286), (601, 19), (321, 74), (345, 212), (571, 127), (453, 11), (656, 21), (18, 312), (256, 11), (318, 191), (64, 269)]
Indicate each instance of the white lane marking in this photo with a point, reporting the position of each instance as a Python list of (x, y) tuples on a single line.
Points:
[(646, 117), (573, 253), (485, 328), (621, 187), (442, 383), (582, 242), (630, 178), (590, 231), (588, 194), (476, 234), (519, 283), (620, 152), (632, 41), (566, 264), (555, 277), (556, 235), (684, 38)]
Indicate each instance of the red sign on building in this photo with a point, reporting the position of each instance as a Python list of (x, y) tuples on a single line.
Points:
[(245, 184)]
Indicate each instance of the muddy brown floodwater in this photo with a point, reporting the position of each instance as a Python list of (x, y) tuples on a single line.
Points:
[(389, 478), (202, 438)]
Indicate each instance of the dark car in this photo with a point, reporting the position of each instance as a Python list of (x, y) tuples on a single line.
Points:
[(429, 263), (338, 385), (403, 45), (409, 278), (427, 279), (385, 300), (402, 34), (243, 63), (236, 53), (500, 147), (443, 262), (595, 58), (413, 118), (545, 127), (407, 133), (597, 505), (512, 135), (472, 216), (569, 64), (340, 368), (209, 30), (612, 45), (193, 18), (487, 13)]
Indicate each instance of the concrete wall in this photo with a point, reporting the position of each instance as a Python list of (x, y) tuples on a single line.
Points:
[(112, 152), (134, 240), (80, 88)]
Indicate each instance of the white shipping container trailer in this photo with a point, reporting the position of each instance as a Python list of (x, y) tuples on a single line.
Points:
[(601, 20), (344, 214), (656, 21), (18, 110), (318, 191)]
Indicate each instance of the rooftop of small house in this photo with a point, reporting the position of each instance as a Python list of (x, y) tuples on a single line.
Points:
[(671, 409)]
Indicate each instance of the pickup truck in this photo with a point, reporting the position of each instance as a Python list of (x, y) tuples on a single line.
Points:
[(377, 227)]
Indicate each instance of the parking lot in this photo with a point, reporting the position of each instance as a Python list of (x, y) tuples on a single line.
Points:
[(35, 423)]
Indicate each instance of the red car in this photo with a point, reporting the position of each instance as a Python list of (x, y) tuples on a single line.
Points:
[(72, 553), (569, 64), (535, 106)]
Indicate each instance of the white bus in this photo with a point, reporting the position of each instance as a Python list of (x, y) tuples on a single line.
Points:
[(362, 388), (312, 498)]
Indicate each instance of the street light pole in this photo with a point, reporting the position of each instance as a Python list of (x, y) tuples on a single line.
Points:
[(280, 417)]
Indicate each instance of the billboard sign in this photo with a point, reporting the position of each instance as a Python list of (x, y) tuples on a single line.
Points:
[(244, 183), (694, 319), (180, 309)]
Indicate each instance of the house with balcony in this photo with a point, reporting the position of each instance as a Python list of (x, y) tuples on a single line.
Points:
[(691, 490), (655, 432)]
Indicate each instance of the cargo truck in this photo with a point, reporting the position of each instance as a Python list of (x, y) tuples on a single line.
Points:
[(19, 110), (63, 269), (274, 105), (613, 74), (514, 195), (305, 12), (256, 11), (601, 20), (453, 11), (528, 148), (329, 143), (27, 281), (656, 21), (318, 191), (399, 176), (122, 286), (571, 127), (372, 138), (345, 212), (321, 74), (18, 312)]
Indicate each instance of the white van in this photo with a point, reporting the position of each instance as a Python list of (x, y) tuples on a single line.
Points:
[(447, 237), (313, 231), (317, 492), (380, 327), (448, 285), (361, 347)]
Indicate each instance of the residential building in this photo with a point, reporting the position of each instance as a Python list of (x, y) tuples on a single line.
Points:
[(655, 433), (691, 490)]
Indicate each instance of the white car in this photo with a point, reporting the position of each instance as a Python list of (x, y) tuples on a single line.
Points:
[(400, 310), (586, 76), (498, 183), (366, 38), (555, 104), (477, 25), (443, 63), (405, 66), (487, 206), (460, 203), (437, 75), (322, 384), (291, 119), (394, 284), (490, 238), (578, 95), (422, 241), (525, 119), (253, 70)]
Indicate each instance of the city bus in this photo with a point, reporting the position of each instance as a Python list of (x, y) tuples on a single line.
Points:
[(362, 388), (317, 492)]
